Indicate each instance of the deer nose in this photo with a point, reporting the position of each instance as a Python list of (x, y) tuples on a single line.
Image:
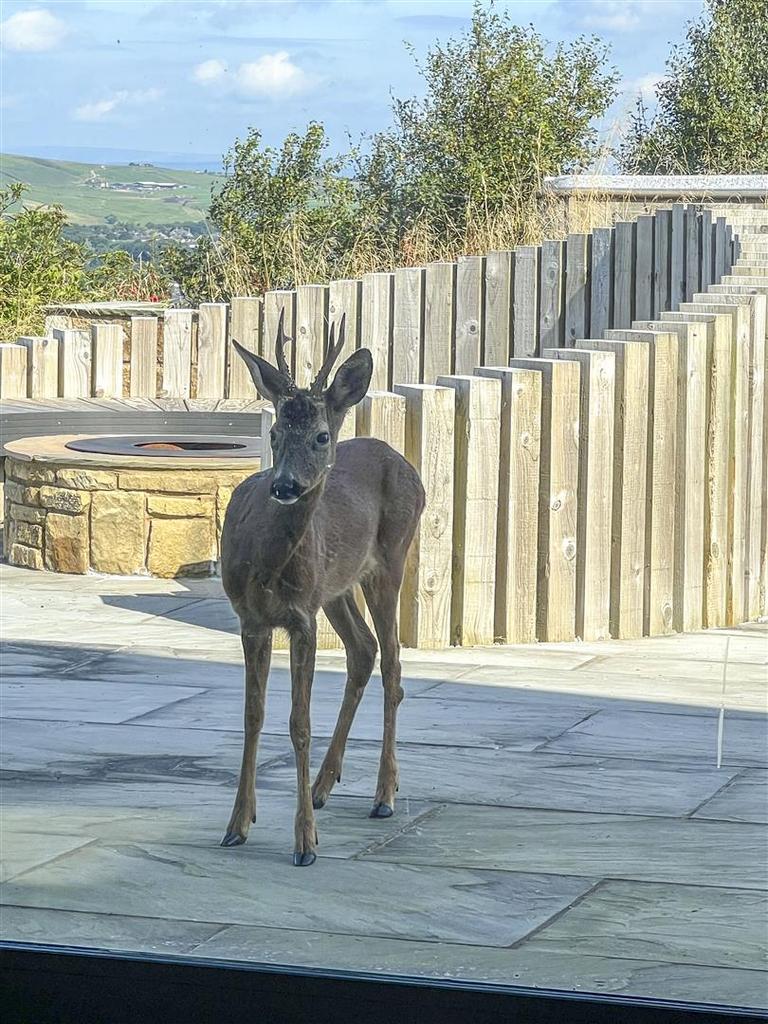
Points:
[(286, 489)]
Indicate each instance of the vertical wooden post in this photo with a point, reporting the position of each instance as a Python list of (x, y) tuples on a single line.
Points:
[(757, 482), (408, 329), (551, 292), (677, 257), (624, 274), (595, 489), (75, 362), (707, 250), (577, 262), (744, 310), (107, 360), (556, 614), (658, 581), (470, 299), (211, 349), (381, 414), (688, 607), (345, 299), (425, 619), (720, 335), (630, 461), (245, 316), (275, 303), (719, 249), (475, 506), (177, 353), (498, 308), (439, 319), (525, 312), (517, 535), (644, 268), (728, 248), (376, 326), (13, 371), (662, 255), (601, 280), (143, 383), (42, 367), (692, 252), (311, 331)]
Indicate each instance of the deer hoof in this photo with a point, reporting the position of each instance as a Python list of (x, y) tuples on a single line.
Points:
[(318, 802), (303, 860), (232, 839), (381, 811)]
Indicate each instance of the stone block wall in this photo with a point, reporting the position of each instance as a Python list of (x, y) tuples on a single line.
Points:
[(164, 522)]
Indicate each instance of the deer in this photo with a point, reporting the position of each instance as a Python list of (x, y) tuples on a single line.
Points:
[(298, 537)]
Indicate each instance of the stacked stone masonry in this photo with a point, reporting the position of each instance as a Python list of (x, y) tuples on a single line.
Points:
[(126, 522)]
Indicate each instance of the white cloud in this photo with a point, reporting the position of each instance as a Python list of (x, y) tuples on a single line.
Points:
[(99, 109), (210, 71), (274, 75), (616, 15), (32, 31), (645, 85)]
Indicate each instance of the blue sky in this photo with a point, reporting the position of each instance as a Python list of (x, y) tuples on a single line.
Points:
[(179, 76)]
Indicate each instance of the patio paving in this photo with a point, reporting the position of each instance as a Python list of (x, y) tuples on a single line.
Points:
[(562, 820)]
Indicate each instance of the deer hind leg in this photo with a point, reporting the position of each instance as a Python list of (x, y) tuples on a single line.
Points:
[(257, 648), (381, 594), (303, 646), (361, 656)]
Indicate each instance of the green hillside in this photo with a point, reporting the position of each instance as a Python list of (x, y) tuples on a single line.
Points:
[(89, 195)]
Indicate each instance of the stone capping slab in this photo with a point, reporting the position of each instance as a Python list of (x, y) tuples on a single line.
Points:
[(53, 449)]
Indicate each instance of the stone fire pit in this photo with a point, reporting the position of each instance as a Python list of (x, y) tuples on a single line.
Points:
[(136, 505)]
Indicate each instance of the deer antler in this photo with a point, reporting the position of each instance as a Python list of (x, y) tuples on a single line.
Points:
[(332, 354), (280, 342)]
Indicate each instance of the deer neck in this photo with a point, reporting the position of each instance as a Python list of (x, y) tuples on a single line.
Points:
[(292, 529)]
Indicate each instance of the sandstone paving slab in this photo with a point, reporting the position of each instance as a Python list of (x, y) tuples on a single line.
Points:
[(646, 667), (520, 779), (704, 925), (20, 851), (20, 660), (522, 727), (717, 853), (244, 886), (190, 668), (524, 965), (96, 751), (668, 737), (184, 813), (599, 689), (743, 645), (73, 700), (102, 930), (744, 799)]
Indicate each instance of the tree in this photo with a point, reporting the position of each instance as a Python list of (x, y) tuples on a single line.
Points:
[(712, 114), (501, 110), (37, 264)]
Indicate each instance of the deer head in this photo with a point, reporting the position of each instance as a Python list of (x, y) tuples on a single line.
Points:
[(308, 420)]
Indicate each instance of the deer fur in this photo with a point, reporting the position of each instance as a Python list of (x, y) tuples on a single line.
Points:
[(298, 537)]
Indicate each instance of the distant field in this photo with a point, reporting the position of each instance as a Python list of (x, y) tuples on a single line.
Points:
[(57, 181)]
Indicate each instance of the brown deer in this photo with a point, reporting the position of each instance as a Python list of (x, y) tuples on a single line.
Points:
[(297, 538)]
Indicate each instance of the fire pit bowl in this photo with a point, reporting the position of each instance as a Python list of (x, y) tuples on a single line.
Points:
[(132, 504)]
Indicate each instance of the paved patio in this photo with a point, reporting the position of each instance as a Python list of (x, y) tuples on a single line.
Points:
[(561, 822)]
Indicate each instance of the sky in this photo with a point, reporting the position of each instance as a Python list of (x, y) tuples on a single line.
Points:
[(187, 77)]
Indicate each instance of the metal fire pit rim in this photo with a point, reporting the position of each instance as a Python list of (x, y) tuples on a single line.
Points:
[(228, 446)]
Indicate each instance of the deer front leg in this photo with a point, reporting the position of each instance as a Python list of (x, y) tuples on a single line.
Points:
[(303, 645), (257, 648)]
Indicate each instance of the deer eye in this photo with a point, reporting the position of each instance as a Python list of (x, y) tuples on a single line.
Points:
[(323, 437)]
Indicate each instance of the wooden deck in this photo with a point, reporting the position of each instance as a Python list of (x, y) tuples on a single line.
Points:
[(561, 820)]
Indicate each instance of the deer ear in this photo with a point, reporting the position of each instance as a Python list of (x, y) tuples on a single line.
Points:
[(268, 380), (351, 381)]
